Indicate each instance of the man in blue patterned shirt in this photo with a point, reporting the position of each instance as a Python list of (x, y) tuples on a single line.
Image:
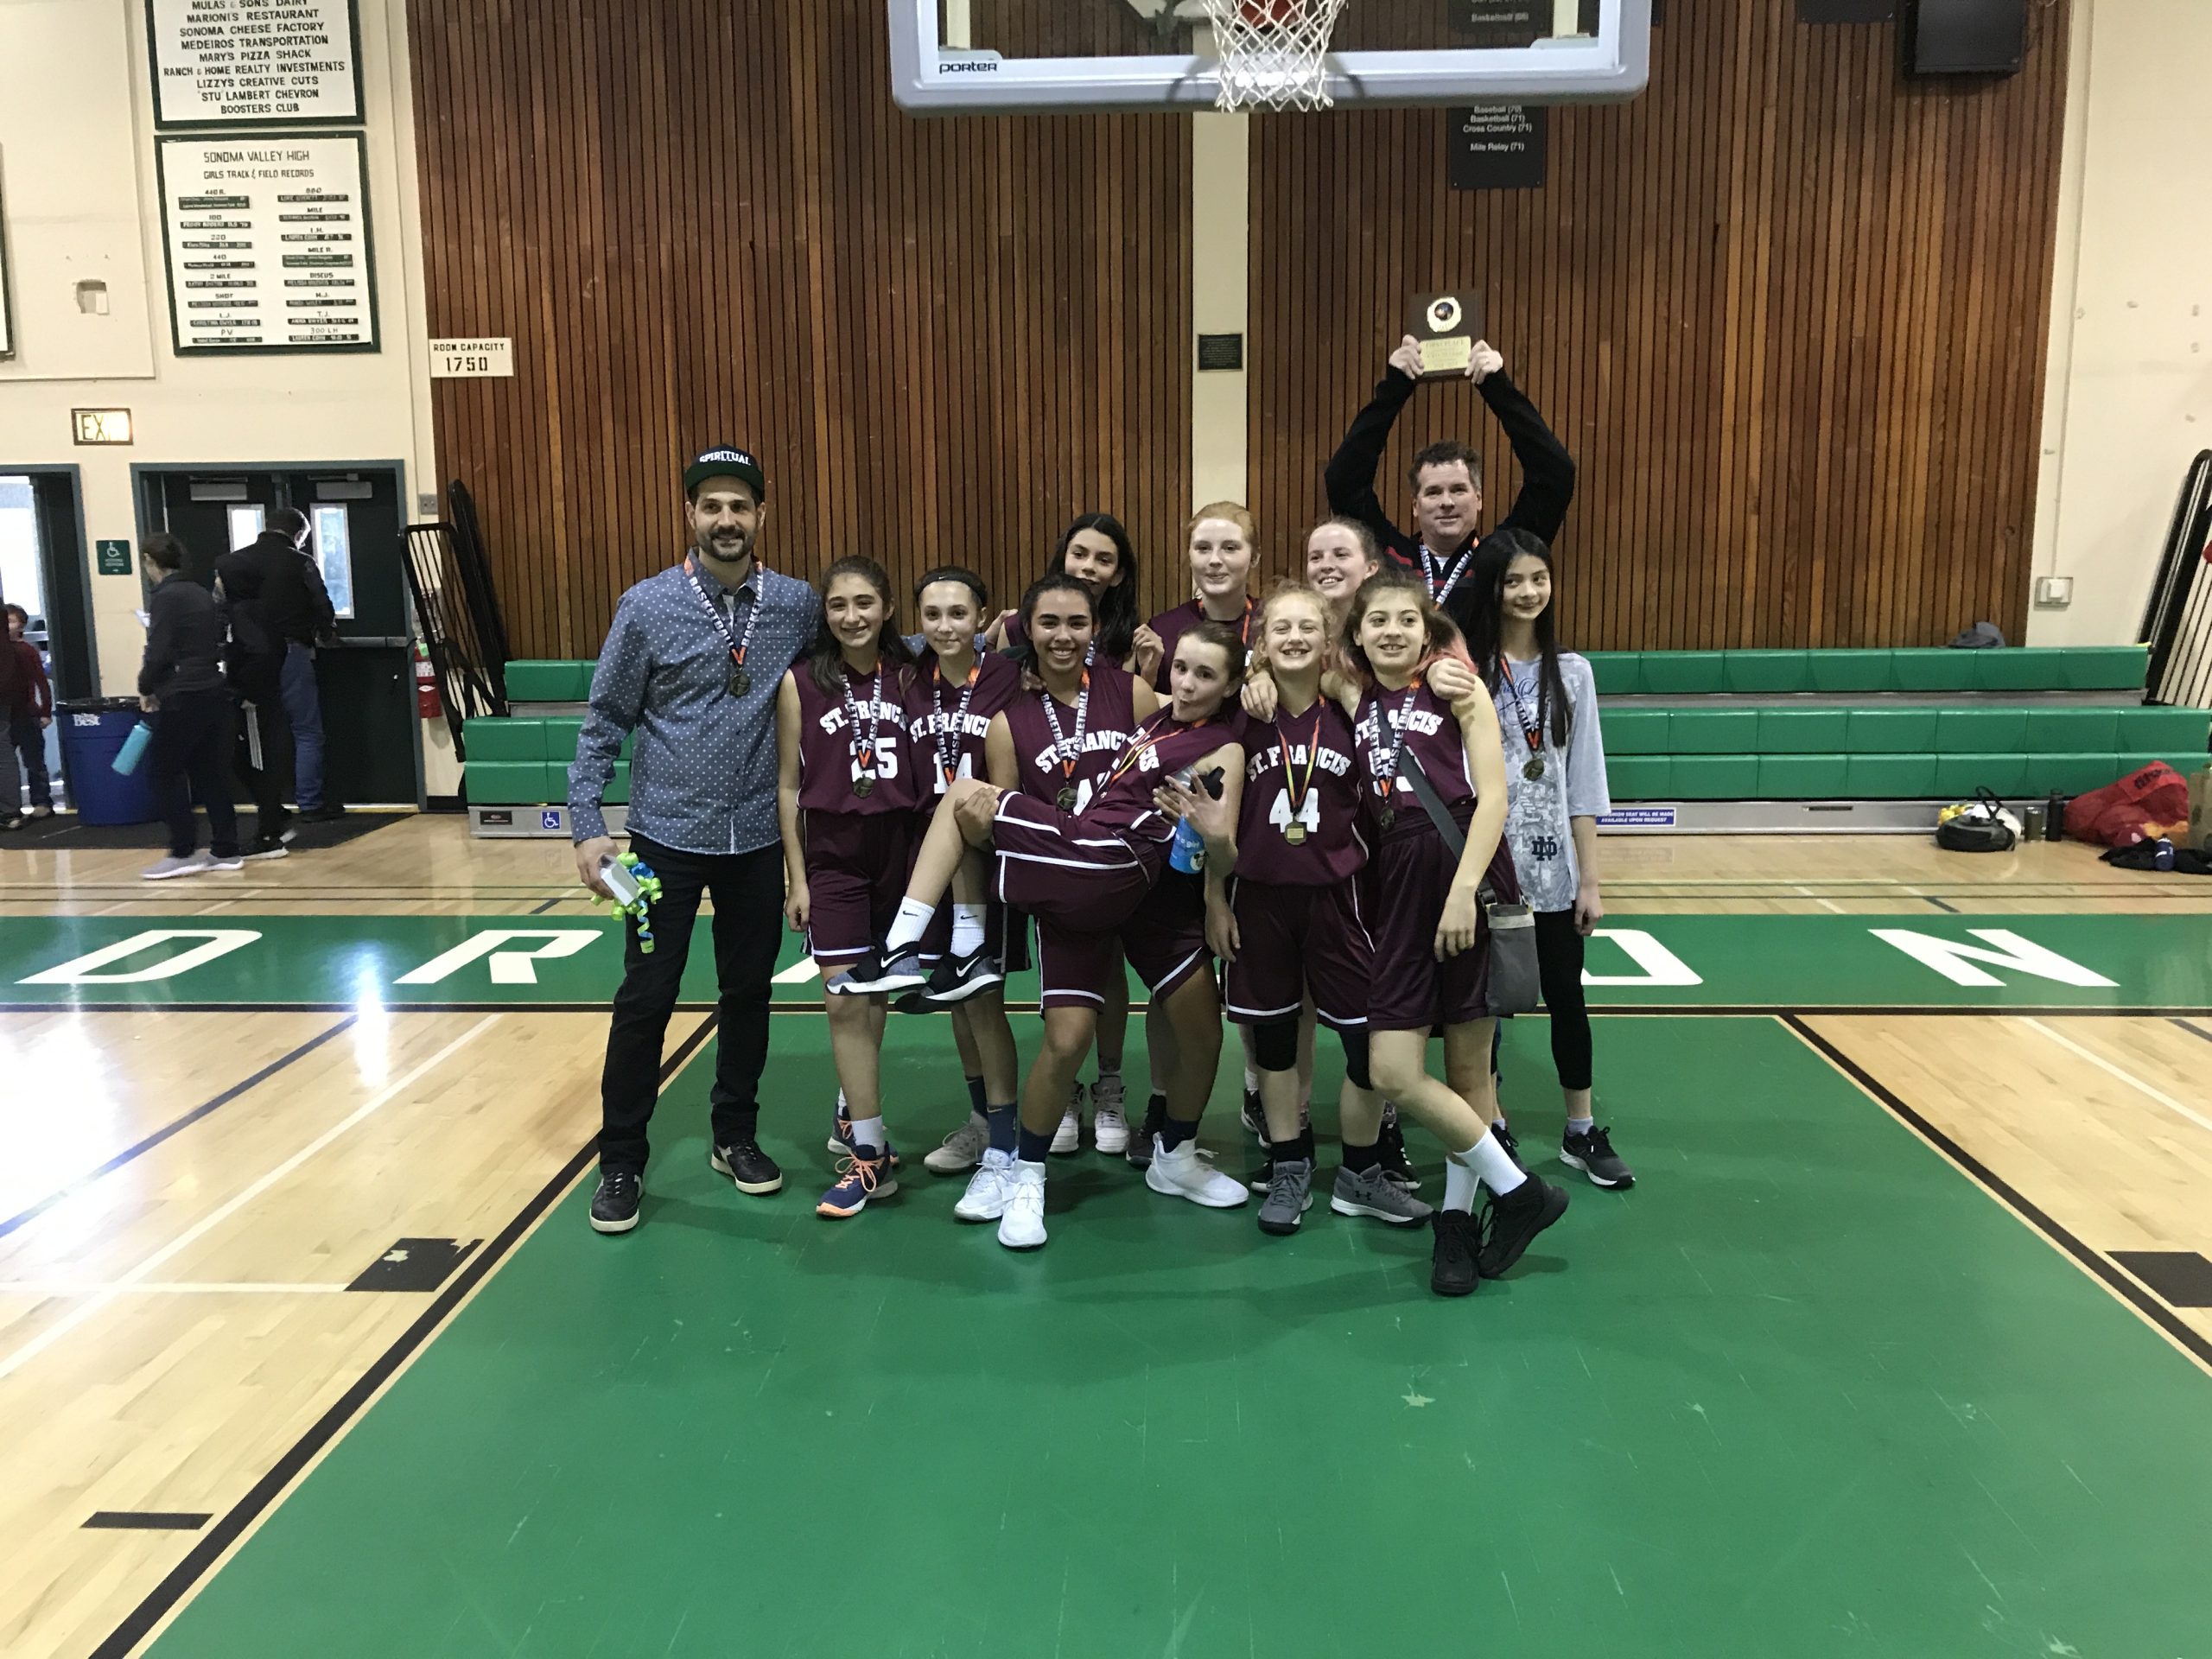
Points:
[(691, 665)]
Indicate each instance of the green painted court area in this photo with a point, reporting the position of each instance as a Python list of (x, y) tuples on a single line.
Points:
[(2151, 962), (1805, 1391)]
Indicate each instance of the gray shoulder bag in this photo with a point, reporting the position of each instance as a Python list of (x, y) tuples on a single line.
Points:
[(1514, 982)]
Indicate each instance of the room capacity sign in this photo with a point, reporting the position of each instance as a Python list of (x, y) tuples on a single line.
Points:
[(268, 244), (246, 62)]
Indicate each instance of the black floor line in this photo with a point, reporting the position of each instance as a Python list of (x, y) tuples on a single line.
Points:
[(2194, 1031), (2107, 1272), (139, 1623), (1940, 904), (170, 1129), (547, 905), (146, 1521)]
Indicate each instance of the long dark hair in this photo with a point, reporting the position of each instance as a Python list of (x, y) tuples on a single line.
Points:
[(1207, 632), (1116, 607), (1439, 633), (1025, 654), (825, 660), (1494, 556)]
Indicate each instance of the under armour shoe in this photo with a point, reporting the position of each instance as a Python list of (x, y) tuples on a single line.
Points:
[(1371, 1192), (1513, 1220)]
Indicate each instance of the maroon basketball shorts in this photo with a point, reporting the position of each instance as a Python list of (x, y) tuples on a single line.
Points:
[(1085, 885), (1408, 878), (1293, 940), (856, 868)]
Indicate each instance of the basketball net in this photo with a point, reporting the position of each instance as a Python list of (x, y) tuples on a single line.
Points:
[(1271, 51)]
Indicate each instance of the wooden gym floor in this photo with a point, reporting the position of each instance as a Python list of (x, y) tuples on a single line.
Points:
[(1903, 1345)]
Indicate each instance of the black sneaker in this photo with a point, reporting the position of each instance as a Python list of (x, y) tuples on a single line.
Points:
[(1512, 1146), (614, 1207), (1452, 1269), (955, 979), (321, 814), (1390, 1152), (1155, 1120), (880, 973), (1511, 1222), (1254, 1116), (753, 1170), (1593, 1154), (265, 847)]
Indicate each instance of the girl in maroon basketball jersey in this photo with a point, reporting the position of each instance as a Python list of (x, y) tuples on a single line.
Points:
[(1290, 924), (1220, 542), (847, 789), (1084, 876), (1430, 956)]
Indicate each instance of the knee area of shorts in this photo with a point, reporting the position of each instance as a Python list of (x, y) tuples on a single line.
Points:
[(1274, 1044)]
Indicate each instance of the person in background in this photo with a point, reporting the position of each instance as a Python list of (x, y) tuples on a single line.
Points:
[(296, 610), (253, 663), (11, 785), (29, 715), (181, 686)]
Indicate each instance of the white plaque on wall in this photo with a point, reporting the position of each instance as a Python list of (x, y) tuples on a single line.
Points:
[(472, 359), (254, 62), (267, 239)]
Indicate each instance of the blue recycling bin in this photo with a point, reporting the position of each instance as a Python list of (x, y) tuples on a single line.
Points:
[(92, 732)]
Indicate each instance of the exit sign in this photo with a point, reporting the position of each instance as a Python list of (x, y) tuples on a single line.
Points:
[(100, 425)]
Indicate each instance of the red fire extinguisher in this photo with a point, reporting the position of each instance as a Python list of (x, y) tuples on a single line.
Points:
[(429, 705)]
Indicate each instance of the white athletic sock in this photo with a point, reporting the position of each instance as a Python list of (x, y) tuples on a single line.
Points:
[(868, 1136), (907, 926), (841, 1103), (967, 930), (1251, 1080), (1459, 1182), (1495, 1165)]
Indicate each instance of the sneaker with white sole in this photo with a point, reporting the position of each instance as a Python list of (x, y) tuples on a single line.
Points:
[(1109, 1123), (1069, 1136), (985, 1199), (1022, 1226), (859, 1179), (962, 1149), (170, 868), (1593, 1154), (1148, 1134), (1290, 1195), (881, 972), (1371, 1192), (1183, 1174)]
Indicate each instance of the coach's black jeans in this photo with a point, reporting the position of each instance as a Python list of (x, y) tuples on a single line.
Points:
[(190, 755), (748, 890)]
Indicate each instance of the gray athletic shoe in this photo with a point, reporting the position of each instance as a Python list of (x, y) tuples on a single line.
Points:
[(1290, 1195), (169, 868), (1372, 1193)]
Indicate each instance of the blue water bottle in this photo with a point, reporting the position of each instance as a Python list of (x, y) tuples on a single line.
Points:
[(1187, 852), (133, 750)]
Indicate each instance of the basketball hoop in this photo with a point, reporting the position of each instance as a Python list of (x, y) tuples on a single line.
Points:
[(1272, 51)]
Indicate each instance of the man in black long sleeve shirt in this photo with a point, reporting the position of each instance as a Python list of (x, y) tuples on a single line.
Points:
[(181, 686), (296, 607), (1447, 476)]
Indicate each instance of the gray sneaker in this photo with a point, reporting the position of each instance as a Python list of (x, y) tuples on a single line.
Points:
[(1372, 1193), (1290, 1195), (191, 864)]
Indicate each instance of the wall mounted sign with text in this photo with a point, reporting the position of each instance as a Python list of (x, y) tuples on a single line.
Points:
[(99, 425), (1497, 146), (267, 242), (246, 63), (472, 359)]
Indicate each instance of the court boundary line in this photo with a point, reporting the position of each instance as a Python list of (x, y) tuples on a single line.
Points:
[(2173, 1011), (238, 1522), (205, 1109), (2116, 1282)]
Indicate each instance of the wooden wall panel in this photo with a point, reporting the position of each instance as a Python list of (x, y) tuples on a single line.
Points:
[(703, 223), (1789, 309)]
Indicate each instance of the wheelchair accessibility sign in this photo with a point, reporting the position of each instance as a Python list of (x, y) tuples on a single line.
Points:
[(550, 818)]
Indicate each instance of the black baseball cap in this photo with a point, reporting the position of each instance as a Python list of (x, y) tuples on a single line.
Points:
[(726, 462)]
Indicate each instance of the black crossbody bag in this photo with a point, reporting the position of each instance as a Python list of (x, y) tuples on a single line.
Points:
[(1513, 981)]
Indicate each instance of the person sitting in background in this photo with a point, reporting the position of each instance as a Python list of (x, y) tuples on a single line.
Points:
[(296, 609), (180, 685), (30, 713)]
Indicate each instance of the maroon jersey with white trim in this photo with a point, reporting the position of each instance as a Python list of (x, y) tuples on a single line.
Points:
[(936, 704), (1107, 725), (1171, 625), (1156, 751), (828, 753), (1432, 736), (1309, 756)]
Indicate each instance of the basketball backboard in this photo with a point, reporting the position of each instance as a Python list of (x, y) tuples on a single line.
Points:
[(964, 56)]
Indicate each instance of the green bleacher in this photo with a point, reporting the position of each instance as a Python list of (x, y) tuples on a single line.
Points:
[(1700, 726)]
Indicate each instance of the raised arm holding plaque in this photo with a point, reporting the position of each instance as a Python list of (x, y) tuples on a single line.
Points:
[(1446, 325)]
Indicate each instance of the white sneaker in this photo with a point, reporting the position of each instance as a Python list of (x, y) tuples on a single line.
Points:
[(1022, 1226), (960, 1150), (1110, 1127), (1069, 1136), (166, 869), (985, 1199), (1183, 1174)]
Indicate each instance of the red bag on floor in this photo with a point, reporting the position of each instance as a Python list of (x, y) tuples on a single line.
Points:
[(2145, 803)]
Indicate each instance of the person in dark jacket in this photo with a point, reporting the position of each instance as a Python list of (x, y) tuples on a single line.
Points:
[(296, 609), (180, 685), (13, 694), (33, 714), (1447, 477), (253, 663)]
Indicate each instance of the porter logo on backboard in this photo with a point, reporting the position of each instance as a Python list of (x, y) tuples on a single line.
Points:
[(967, 65)]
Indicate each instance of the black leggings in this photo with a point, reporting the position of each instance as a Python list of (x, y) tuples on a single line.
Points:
[(1274, 1048), (1559, 971)]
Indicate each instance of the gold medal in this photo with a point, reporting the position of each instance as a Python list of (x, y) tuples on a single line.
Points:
[(1384, 817), (1294, 834), (1065, 799), (1533, 769), (740, 682), (864, 785)]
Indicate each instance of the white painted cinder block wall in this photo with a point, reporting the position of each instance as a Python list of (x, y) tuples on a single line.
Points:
[(77, 166), (2128, 394)]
